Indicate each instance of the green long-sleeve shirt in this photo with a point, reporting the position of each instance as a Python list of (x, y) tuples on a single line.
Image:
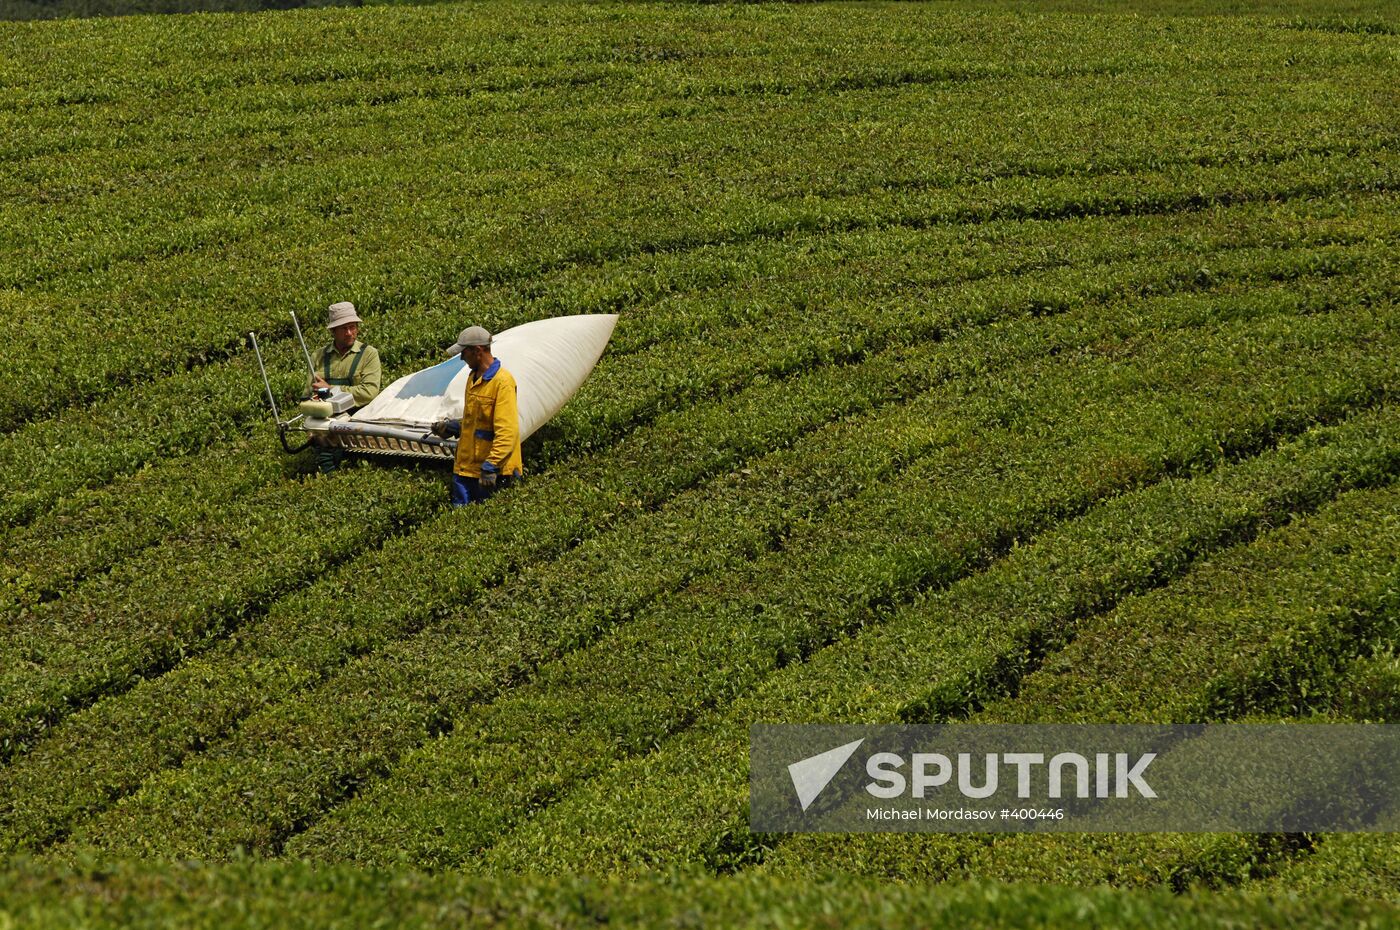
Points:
[(357, 371)]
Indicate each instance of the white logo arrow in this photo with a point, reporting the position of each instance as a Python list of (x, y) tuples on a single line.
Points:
[(811, 776)]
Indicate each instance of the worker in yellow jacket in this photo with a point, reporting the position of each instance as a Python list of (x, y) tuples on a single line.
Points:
[(488, 445)]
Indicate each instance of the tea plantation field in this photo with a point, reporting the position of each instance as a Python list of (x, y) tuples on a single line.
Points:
[(985, 362)]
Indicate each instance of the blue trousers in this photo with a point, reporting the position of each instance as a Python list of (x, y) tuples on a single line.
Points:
[(471, 491)]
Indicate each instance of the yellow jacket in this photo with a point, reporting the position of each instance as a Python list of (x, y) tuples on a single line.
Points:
[(490, 425)]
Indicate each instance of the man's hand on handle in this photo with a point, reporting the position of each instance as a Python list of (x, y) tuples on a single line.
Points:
[(447, 429)]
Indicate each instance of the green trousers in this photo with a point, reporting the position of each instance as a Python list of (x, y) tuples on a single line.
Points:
[(328, 458)]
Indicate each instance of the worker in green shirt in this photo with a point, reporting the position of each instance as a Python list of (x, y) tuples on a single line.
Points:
[(346, 364)]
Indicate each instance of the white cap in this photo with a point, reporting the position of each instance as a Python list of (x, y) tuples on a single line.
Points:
[(340, 314)]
